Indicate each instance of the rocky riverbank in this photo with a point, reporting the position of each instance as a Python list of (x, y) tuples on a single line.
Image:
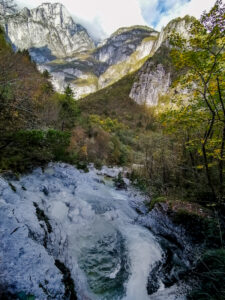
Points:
[(66, 234)]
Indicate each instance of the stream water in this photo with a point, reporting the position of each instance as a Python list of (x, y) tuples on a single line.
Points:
[(81, 220)]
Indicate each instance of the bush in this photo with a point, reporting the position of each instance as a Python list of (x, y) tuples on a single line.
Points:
[(30, 148), (119, 182), (211, 271), (156, 200), (139, 181)]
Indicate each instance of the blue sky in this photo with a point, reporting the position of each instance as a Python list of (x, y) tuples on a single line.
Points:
[(103, 17), (161, 8)]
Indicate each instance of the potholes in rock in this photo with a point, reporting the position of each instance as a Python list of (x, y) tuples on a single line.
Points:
[(106, 266)]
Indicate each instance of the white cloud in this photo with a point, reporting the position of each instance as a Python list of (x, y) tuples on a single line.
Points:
[(177, 8), (103, 17), (100, 17)]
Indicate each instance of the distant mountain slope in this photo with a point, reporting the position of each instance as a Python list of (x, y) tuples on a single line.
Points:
[(156, 76), (67, 51), (122, 53), (48, 31), (122, 43), (145, 86)]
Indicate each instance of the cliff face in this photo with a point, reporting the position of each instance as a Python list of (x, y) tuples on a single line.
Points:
[(129, 62), (48, 31), (88, 71), (152, 82), (156, 75), (121, 44), (67, 51)]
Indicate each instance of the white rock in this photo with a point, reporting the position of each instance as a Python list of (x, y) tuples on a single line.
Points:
[(47, 27), (152, 83)]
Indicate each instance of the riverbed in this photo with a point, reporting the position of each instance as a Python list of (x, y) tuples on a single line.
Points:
[(67, 234)]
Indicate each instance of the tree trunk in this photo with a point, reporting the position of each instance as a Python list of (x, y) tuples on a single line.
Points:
[(221, 163), (208, 175)]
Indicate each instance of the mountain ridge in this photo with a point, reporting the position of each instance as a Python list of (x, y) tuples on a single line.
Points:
[(64, 48), (48, 26)]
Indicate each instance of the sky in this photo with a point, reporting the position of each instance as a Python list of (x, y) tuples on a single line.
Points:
[(102, 17)]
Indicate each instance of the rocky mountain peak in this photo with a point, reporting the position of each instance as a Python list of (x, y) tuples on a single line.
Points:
[(122, 43), (54, 14), (7, 8), (154, 77), (47, 31), (180, 25), (63, 47), (132, 30)]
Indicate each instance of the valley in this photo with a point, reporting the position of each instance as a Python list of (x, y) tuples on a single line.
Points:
[(112, 152)]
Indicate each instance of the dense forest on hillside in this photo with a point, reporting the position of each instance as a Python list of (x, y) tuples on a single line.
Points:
[(175, 151)]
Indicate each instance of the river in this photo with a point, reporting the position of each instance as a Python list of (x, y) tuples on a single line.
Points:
[(81, 220)]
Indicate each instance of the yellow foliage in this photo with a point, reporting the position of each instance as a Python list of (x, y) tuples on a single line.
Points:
[(83, 152)]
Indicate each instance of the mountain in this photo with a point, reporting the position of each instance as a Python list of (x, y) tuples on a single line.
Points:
[(7, 8), (123, 52), (122, 43), (47, 31), (155, 77), (63, 47), (147, 85)]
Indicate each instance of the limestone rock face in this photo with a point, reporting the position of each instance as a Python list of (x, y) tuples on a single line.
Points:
[(89, 71), (6, 9), (48, 31), (121, 44), (152, 82), (132, 63), (180, 25), (154, 77), (63, 47)]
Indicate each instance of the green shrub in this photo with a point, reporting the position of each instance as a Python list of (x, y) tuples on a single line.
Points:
[(30, 148), (98, 164), (139, 181), (156, 200), (119, 182), (211, 271)]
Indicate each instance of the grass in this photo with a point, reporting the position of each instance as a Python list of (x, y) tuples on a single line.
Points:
[(131, 28), (117, 71), (155, 201), (90, 80)]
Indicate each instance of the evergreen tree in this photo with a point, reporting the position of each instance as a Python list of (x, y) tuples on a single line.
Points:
[(69, 109)]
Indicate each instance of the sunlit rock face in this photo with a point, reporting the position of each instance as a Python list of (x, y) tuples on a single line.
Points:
[(48, 28), (63, 47), (121, 44), (132, 62), (56, 43), (90, 71), (179, 25), (154, 77), (153, 81)]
